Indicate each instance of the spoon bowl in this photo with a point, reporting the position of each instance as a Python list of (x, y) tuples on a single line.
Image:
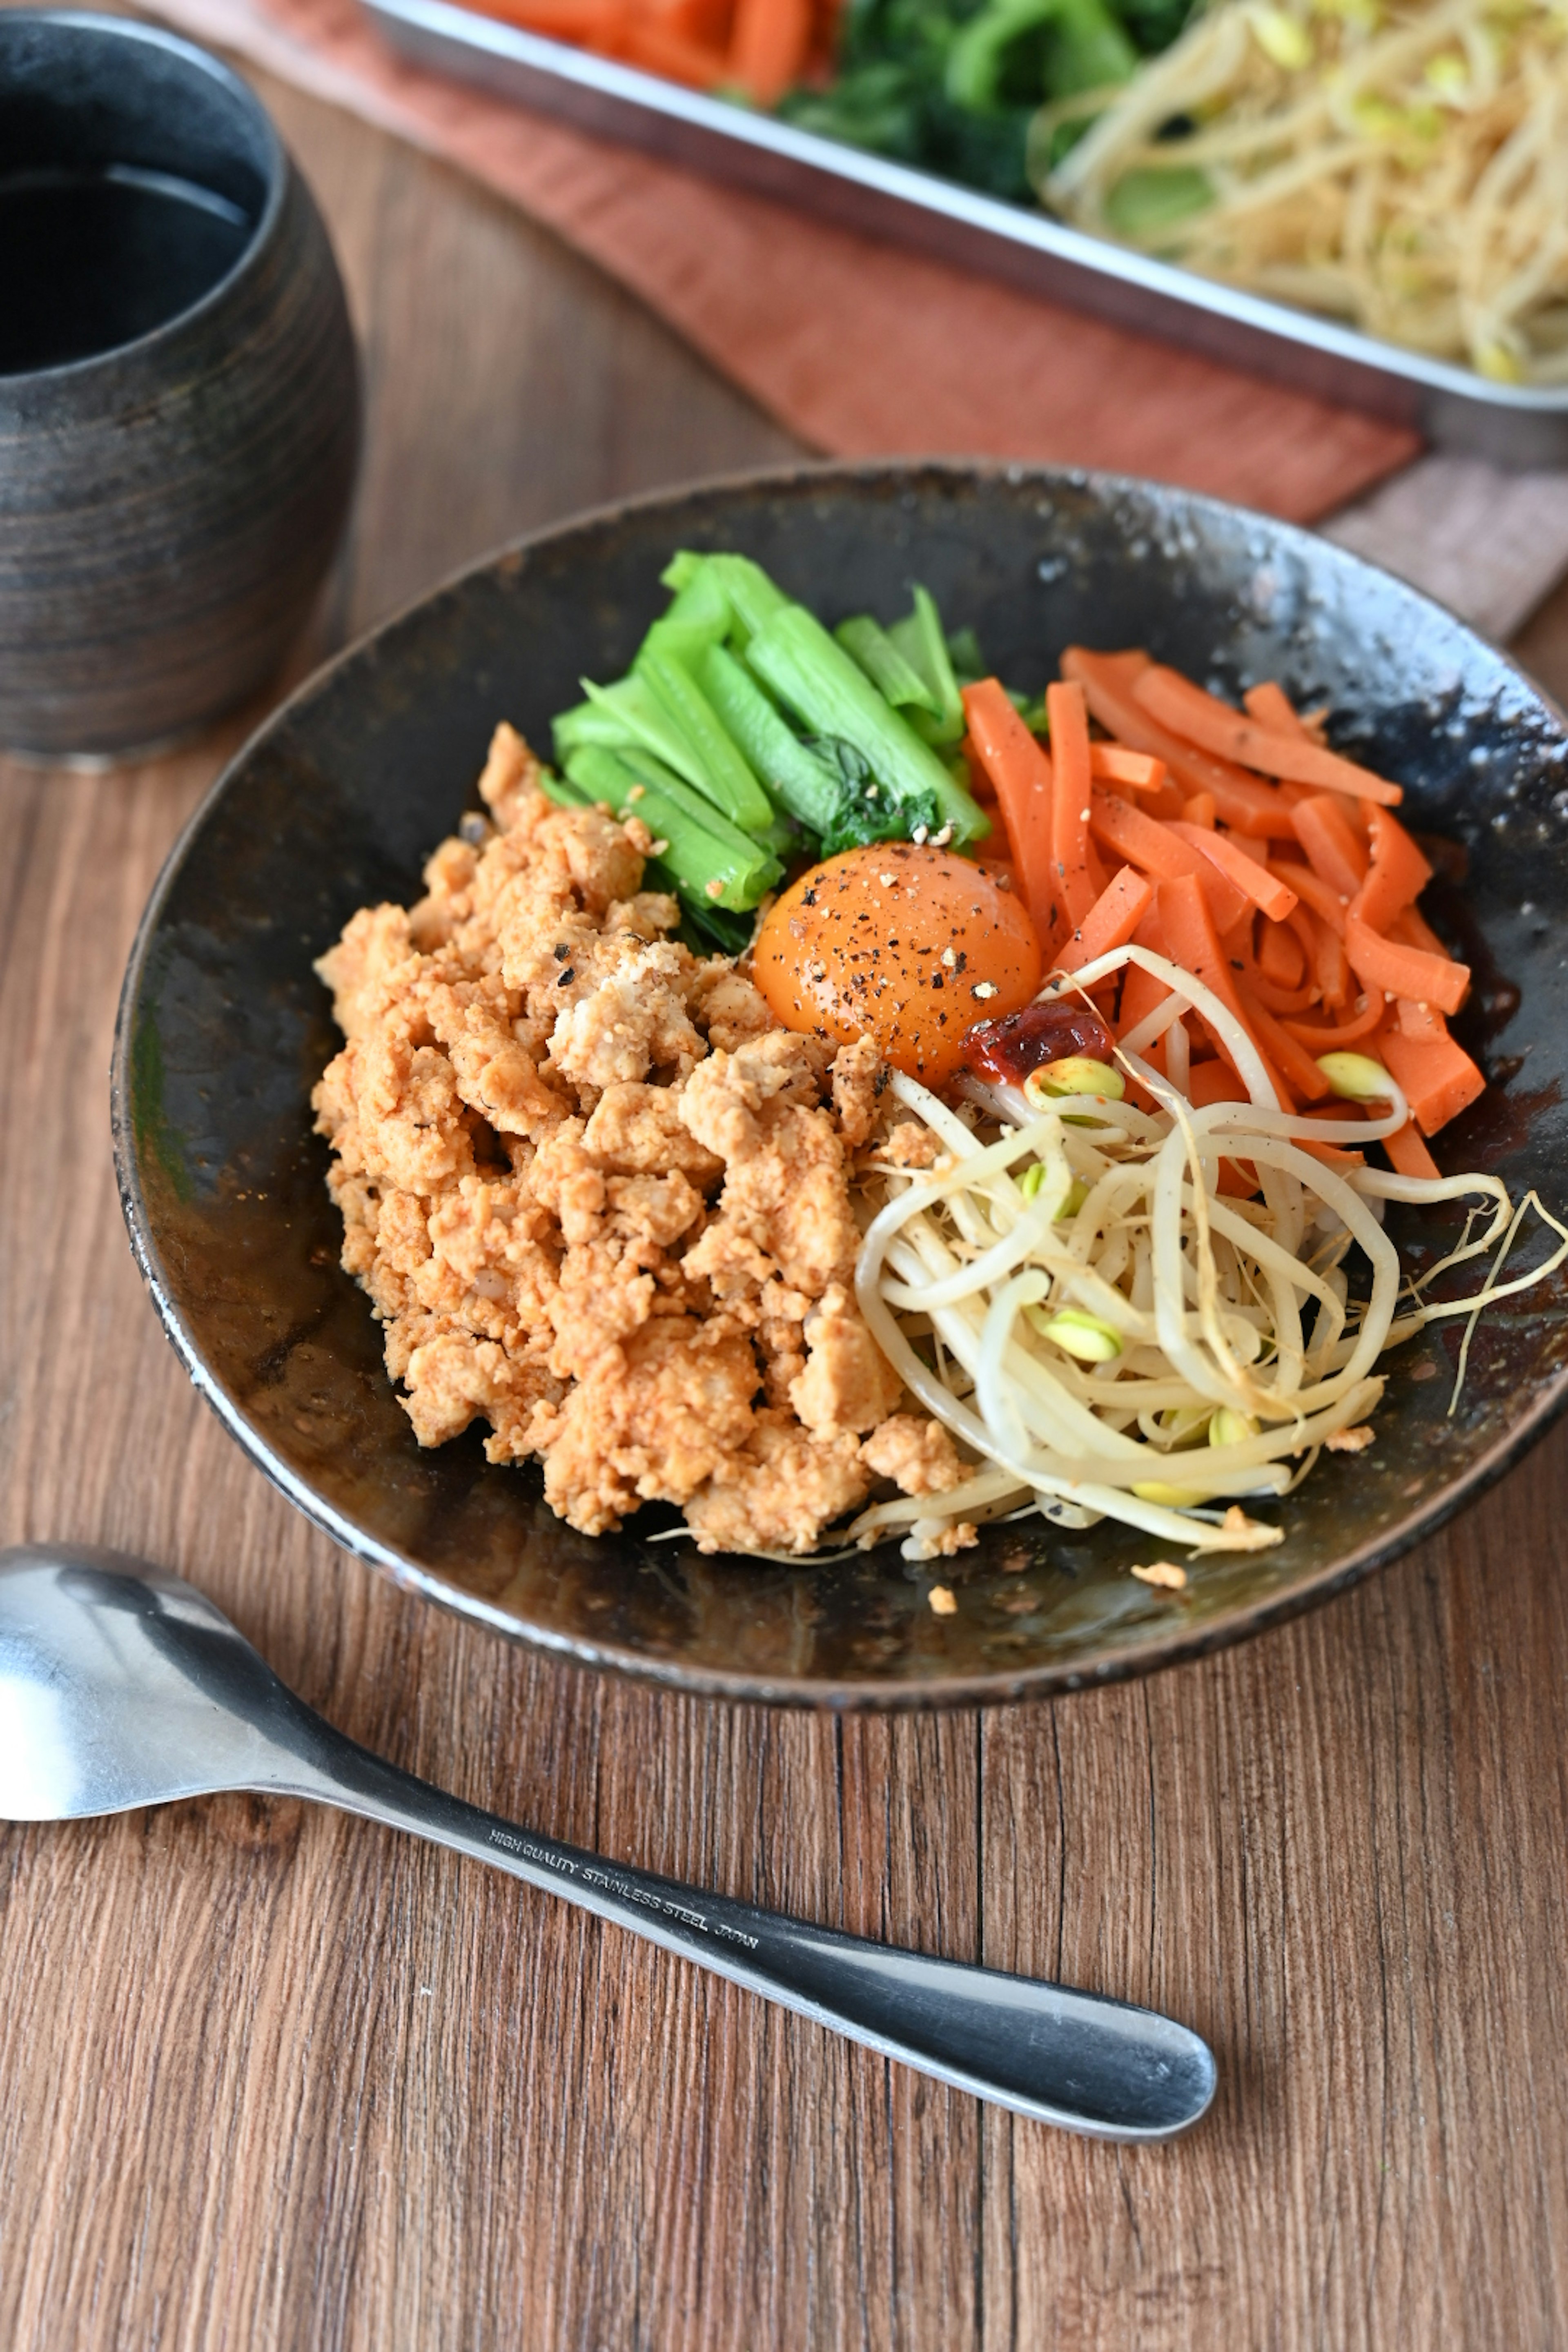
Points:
[(119, 1690), (121, 1686)]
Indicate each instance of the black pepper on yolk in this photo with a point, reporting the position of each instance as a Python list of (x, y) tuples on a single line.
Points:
[(909, 944)]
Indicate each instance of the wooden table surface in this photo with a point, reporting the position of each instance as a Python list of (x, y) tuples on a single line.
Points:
[(275, 2078)]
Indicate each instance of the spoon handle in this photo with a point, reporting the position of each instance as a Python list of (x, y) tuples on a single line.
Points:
[(1076, 2058)]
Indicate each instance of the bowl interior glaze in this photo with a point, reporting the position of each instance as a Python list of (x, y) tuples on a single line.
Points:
[(341, 795)]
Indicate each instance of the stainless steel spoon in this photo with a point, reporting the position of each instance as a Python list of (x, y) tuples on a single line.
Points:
[(122, 1686)]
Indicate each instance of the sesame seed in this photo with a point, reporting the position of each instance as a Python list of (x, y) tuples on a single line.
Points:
[(984, 989), (637, 793), (715, 889)]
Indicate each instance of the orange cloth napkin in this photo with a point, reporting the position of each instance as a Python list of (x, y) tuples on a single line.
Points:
[(861, 349)]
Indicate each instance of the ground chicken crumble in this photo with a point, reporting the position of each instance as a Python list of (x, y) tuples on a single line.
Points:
[(599, 1199)]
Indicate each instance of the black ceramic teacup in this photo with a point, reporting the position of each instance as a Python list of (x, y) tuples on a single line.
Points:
[(179, 398)]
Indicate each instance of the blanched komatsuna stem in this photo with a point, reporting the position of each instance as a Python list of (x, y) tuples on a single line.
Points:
[(794, 775), (722, 773), (710, 861), (812, 676)]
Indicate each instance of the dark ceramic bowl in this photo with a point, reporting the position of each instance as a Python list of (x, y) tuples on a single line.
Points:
[(336, 803), (179, 401)]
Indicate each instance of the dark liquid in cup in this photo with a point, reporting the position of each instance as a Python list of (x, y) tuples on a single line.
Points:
[(90, 260)]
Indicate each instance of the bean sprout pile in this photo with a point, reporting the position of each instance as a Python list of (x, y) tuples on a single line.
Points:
[(1108, 1334), (1404, 168)]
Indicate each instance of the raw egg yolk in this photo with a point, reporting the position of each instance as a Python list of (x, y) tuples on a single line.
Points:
[(908, 945)]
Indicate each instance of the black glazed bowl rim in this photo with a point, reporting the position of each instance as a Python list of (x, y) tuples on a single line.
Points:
[(1169, 1642), (144, 347)]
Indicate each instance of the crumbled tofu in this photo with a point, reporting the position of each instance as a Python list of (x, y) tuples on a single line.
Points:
[(1164, 1573), (598, 1201)]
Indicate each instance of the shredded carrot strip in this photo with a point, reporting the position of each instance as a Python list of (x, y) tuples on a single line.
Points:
[(706, 22), (1280, 1000), (1241, 800), (1267, 892), (1303, 990), (1114, 763), (1324, 900), (1397, 876), (1188, 925), (1275, 937), (769, 46), (1300, 1070), (1142, 992), (1407, 1153), (1272, 708), (1414, 931), (1174, 701), (1418, 1021), (1111, 920), (1332, 849), (1212, 1082), (1325, 952), (1074, 880), (600, 23), (1438, 1076), (1161, 851), (665, 49), (1021, 772), (1400, 971), (1321, 1037), (1280, 957)]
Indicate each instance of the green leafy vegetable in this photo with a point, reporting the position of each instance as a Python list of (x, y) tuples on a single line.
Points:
[(712, 862), (963, 652), (872, 647), (924, 642), (807, 786), (746, 730), (953, 85), (723, 775), (813, 676), (860, 811)]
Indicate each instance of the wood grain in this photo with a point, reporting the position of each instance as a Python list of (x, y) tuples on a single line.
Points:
[(270, 2078)]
